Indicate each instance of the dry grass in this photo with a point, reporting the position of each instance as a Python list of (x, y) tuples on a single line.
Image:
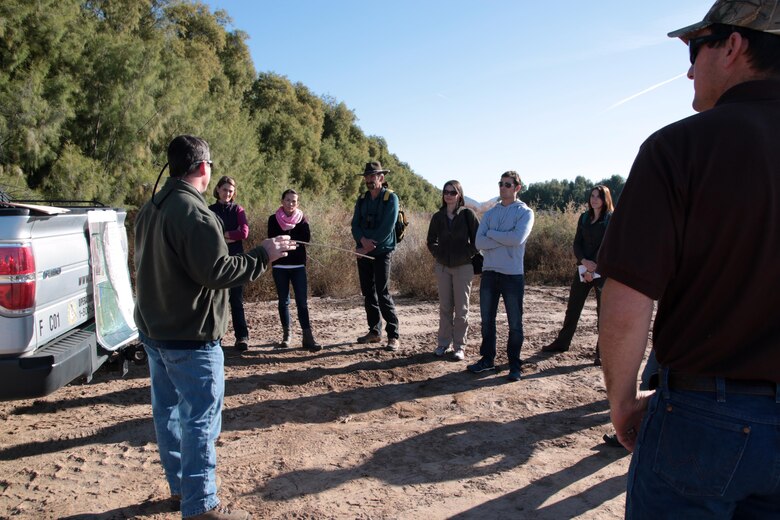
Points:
[(549, 259)]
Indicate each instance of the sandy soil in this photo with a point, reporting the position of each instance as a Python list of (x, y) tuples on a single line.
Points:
[(348, 432)]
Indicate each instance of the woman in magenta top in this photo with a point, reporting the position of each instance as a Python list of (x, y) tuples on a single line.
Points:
[(236, 231)]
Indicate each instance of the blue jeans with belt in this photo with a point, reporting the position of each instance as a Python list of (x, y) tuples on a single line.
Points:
[(188, 388), (701, 457), (493, 286)]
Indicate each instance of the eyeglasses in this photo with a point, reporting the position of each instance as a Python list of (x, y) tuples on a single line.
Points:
[(451, 193), (196, 163), (506, 184), (694, 44)]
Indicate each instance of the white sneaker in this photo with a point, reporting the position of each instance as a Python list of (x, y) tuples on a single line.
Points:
[(440, 351), (459, 354)]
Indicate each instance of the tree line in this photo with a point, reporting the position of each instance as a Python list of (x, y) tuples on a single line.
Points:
[(92, 91)]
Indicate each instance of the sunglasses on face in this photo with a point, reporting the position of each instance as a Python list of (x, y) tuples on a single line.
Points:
[(451, 193), (506, 184), (196, 163), (694, 44)]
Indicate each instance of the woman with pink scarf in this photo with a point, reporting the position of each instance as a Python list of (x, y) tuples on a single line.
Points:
[(289, 220)]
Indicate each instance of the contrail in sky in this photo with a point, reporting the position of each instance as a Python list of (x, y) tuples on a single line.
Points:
[(645, 91)]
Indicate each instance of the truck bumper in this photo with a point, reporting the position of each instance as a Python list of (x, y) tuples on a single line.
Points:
[(51, 367)]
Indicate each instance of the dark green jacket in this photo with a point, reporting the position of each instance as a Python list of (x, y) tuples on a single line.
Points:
[(375, 219), (183, 269)]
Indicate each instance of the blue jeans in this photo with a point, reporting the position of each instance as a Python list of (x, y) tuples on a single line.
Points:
[(492, 286), (188, 387), (237, 312), (375, 286), (700, 458), (282, 279)]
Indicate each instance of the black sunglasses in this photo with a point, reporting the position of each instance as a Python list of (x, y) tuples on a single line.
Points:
[(506, 184), (450, 192), (196, 163), (694, 44)]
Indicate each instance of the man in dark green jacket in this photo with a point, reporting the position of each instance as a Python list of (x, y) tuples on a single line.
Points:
[(373, 228), (183, 271)]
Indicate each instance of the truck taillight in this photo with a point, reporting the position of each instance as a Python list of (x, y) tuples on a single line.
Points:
[(17, 279)]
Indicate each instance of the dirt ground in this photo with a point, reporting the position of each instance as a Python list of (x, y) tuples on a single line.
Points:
[(352, 431)]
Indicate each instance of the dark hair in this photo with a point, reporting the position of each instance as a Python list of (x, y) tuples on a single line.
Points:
[(763, 52), (515, 178), (184, 151), (225, 180), (606, 198), (288, 191), (461, 197)]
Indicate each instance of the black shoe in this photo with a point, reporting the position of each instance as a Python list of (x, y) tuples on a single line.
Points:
[(482, 365), (242, 344), (555, 346), (612, 441), (514, 375)]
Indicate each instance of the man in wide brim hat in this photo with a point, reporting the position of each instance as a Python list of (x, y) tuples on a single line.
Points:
[(373, 168)]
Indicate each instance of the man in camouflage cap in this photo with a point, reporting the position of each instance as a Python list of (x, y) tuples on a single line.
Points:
[(706, 442)]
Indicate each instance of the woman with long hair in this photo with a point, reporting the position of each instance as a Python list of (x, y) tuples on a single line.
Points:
[(591, 227), (451, 235), (289, 220), (236, 231)]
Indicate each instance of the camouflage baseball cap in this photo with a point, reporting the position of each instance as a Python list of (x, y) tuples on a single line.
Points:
[(759, 15)]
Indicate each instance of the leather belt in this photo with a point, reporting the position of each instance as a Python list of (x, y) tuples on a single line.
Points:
[(696, 383)]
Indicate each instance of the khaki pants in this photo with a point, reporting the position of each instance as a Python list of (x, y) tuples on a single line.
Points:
[(454, 287)]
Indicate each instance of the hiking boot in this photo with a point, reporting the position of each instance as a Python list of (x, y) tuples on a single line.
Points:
[(242, 344), (222, 513), (440, 351), (555, 346), (459, 354), (286, 337), (482, 365), (308, 341), (393, 345), (514, 375), (371, 337)]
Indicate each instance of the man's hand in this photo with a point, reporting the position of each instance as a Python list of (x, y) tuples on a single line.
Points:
[(627, 418), (367, 244), (587, 276), (277, 247)]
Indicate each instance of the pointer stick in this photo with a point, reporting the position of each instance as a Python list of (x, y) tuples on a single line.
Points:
[(333, 247)]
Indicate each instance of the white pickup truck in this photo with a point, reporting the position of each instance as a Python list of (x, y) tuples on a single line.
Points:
[(65, 297)]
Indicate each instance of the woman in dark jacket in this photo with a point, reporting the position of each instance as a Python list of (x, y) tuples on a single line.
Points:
[(590, 232), (289, 220), (451, 235), (236, 231)]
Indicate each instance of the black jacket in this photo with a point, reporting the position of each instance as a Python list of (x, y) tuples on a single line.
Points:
[(452, 243)]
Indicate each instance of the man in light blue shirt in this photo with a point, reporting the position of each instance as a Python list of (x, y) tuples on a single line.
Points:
[(501, 237)]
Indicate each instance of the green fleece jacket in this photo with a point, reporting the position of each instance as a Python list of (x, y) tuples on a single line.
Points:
[(183, 269)]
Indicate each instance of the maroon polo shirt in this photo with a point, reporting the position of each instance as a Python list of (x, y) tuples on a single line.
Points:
[(698, 228)]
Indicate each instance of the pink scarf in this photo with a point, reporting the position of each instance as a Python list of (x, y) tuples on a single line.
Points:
[(285, 222)]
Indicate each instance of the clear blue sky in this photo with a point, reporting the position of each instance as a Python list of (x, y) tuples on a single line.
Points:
[(466, 89)]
